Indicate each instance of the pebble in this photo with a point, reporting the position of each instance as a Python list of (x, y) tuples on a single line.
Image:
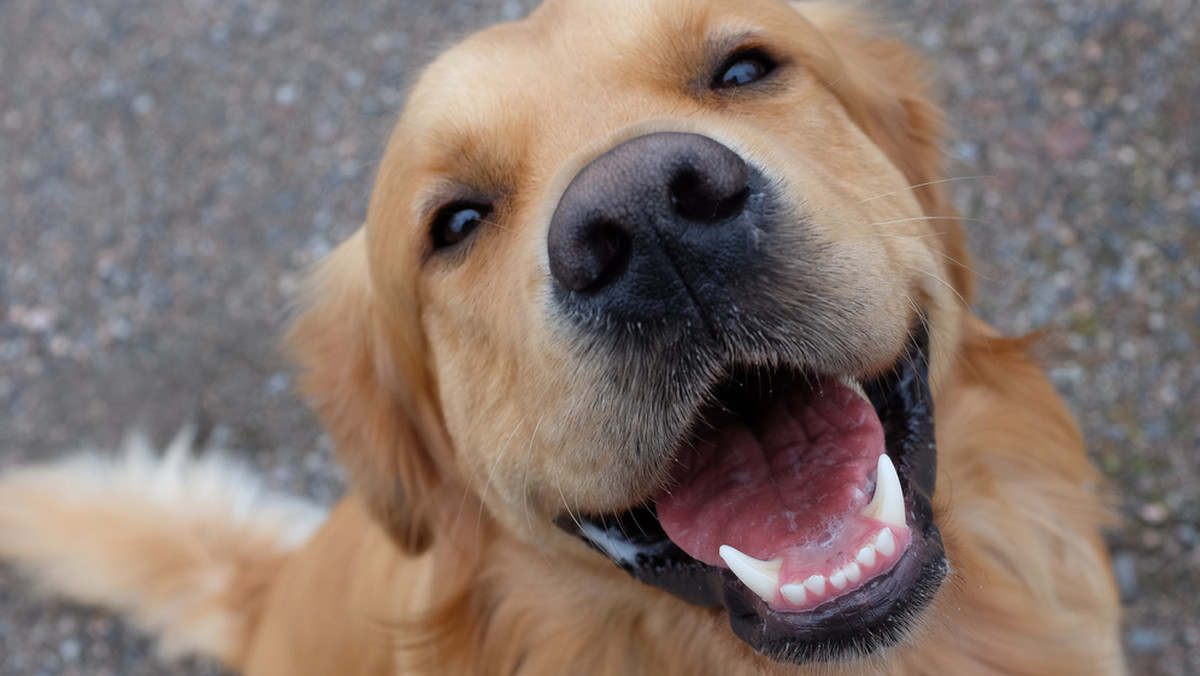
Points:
[(143, 104), (287, 94), (1153, 513), (1125, 570), (1144, 640)]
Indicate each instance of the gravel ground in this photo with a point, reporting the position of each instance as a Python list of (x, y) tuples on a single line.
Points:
[(167, 169)]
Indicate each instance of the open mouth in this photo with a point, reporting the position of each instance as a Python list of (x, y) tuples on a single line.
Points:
[(801, 504)]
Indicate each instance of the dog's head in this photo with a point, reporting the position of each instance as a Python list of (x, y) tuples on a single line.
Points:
[(670, 278)]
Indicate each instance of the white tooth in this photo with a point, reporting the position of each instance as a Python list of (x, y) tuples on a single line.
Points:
[(761, 577), (853, 572), (795, 592), (887, 505), (866, 556), (816, 584), (855, 386), (838, 580), (885, 543)]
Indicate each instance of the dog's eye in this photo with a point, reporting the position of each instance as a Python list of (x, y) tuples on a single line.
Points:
[(455, 222), (742, 68)]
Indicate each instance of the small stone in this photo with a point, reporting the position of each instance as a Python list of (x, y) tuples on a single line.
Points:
[(287, 94), (1153, 513), (69, 650), (37, 319), (388, 42), (1188, 535), (511, 10), (143, 104), (1151, 539), (354, 79), (1144, 640), (219, 34), (278, 383), (1125, 570)]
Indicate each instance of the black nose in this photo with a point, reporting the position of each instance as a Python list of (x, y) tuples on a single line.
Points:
[(655, 227)]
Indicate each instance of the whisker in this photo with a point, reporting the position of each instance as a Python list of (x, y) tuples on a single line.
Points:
[(492, 473), (633, 517), (935, 218), (902, 235), (494, 224), (941, 281), (908, 358), (525, 479), (927, 183), (570, 512), (975, 272), (829, 85), (912, 302)]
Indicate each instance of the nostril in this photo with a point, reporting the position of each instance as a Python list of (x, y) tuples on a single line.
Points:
[(611, 250), (599, 255), (705, 198), (732, 205), (689, 195)]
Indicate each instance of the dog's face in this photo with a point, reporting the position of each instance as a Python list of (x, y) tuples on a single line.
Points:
[(669, 277)]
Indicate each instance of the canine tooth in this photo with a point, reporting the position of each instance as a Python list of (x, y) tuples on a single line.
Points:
[(853, 572), (855, 386), (887, 505), (795, 592), (885, 543), (866, 556), (761, 577), (838, 579), (816, 584)]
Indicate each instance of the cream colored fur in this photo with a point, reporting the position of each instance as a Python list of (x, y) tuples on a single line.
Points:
[(163, 537)]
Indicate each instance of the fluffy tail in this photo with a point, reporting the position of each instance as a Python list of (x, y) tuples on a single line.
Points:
[(185, 546)]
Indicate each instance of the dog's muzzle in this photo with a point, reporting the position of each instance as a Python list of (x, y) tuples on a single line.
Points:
[(799, 496)]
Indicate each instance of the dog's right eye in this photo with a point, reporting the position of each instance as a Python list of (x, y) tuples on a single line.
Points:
[(455, 222), (742, 68)]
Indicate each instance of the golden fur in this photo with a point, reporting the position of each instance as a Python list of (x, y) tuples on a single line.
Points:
[(468, 423)]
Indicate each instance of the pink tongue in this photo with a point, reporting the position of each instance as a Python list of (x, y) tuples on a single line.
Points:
[(788, 478)]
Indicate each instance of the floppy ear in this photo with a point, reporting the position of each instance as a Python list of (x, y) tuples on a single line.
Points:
[(364, 378), (883, 84)]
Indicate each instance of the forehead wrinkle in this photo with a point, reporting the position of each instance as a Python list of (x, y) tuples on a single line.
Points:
[(454, 119)]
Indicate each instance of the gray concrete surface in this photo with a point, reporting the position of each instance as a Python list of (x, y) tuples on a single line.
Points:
[(167, 169)]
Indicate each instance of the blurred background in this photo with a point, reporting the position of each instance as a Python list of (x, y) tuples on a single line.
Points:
[(167, 170)]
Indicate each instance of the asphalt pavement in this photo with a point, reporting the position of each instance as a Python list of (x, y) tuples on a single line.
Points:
[(168, 169)]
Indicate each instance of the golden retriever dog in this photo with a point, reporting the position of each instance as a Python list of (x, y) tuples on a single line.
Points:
[(653, 356)]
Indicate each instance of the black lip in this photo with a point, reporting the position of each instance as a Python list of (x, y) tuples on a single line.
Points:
[(877, 614)]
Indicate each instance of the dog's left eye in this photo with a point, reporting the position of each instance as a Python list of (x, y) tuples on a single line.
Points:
[(455, 222), (742, 68)]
